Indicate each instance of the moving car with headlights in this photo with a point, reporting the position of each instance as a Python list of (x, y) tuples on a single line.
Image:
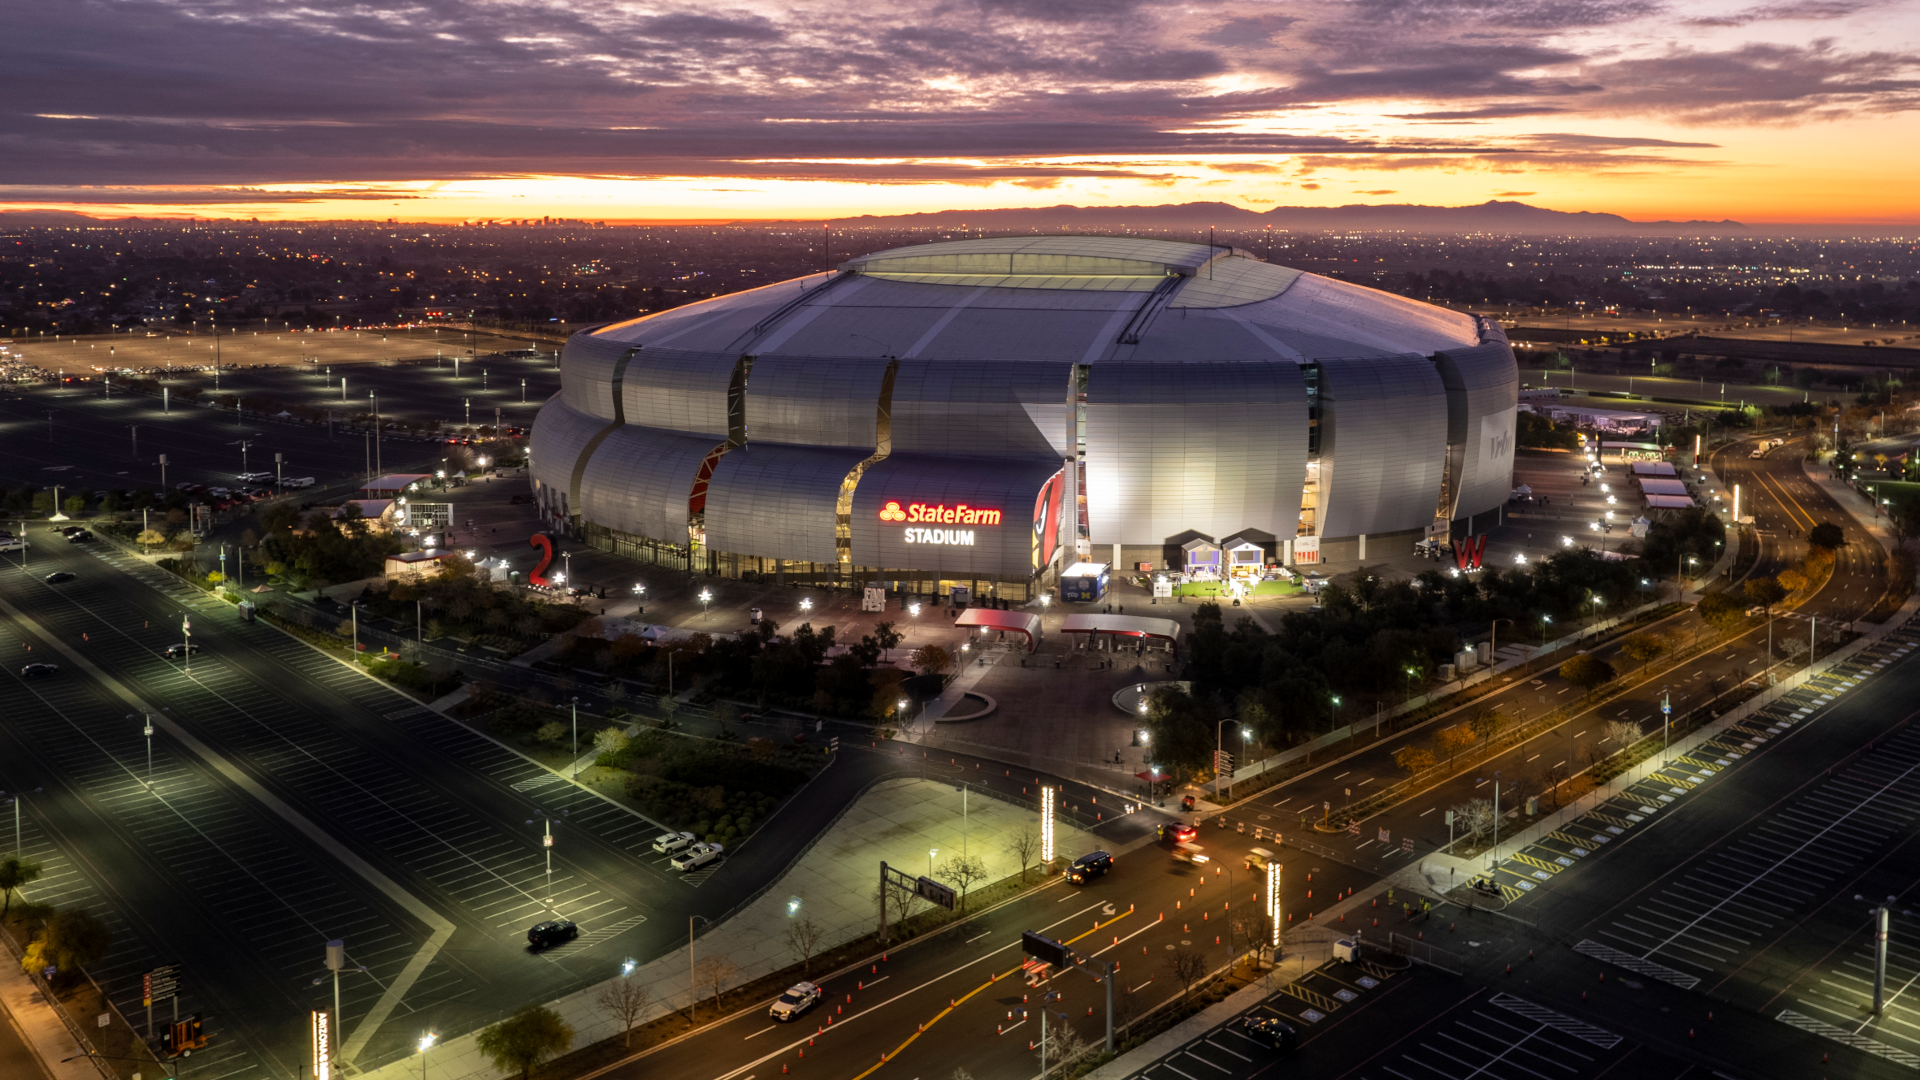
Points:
[(1259, 859), (669, 843), (1178, 833), (33, 671), (799, 997), (59, 576), (182, 648), (697, 856), (553, 932), (1089, 866)]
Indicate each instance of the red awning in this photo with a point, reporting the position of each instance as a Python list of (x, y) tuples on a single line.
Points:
[(1012, 622)]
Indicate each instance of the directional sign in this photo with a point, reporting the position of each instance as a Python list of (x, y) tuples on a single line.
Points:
[(1385, 836), (1406, 844), (933, 892), (159, 983), (1353, 827)]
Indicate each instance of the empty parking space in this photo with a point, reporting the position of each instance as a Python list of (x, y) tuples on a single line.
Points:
[(1503, 1036)]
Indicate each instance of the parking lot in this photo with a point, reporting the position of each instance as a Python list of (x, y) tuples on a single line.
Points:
[(450, 819)]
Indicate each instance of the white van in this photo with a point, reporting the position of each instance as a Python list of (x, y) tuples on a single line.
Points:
[(297, 482)]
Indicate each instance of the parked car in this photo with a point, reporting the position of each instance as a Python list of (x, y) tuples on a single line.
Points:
[(1269, 1032), (14, 543), (669, 843), (33, 671), (81, 537), (69, 530), (1089, 866), (553, 932), (697, 856), (799, 997), (182, 648), (59, 576), (297, 482)]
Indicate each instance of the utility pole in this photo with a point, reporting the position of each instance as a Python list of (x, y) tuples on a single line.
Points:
[(1880, 921), (336, 960)]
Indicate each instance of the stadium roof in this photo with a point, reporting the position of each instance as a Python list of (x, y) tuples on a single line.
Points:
[(1081, 299)]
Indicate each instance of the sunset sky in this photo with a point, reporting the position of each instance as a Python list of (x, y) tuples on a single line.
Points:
[(432, 110)]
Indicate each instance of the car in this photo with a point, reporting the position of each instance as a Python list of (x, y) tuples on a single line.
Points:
[(81, 537), (552, 932), (668, 843), (254, 477), (1179, 833), (71, 529), (1260, 859), (1269, 1032), (1760, 453), (297, 482), (1191, 853), (697, 856), (14, 543), (33, 671), (1089, 866), (182, 648), (59, 576), (799, 997)]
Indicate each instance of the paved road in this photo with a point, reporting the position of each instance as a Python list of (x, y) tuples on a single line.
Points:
[(1786, 497), (408, 835)]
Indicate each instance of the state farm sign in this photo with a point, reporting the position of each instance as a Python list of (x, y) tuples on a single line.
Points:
[(938, 514)]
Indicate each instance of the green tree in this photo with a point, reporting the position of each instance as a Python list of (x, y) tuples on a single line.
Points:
[(1721, 611), (530, 1037), (1179, 734), (1643, 648), (76, 505), (888, 637), (931, 659), (16, 873), (74, 940), (1826, 535), (1764, 591), (1586, 671)]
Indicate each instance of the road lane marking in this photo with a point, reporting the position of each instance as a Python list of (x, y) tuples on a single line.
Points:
[(762, 1031)]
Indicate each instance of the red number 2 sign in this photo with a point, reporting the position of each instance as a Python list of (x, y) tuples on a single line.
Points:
[(545, 544)]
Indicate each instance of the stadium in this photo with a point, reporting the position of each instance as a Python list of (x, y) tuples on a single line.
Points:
[(980, 412)]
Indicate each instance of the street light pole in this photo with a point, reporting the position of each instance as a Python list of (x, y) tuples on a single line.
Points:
[(576, 738)]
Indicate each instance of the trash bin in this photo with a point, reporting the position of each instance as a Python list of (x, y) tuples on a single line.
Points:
[(246, 611)]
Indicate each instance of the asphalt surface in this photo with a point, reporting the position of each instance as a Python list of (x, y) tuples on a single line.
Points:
[(200, 868)]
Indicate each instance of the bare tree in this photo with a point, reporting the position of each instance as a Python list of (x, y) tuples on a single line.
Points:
[(1485, 723), (624, 1001), (963, 872), (1254, 925), (1064, 1046), (711, 975), (1186, 966), (1622, 734), (803, 937), (898, 897), (1024, 846), (1474, 819)]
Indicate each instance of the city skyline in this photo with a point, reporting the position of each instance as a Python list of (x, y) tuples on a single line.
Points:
[(1777, 113)]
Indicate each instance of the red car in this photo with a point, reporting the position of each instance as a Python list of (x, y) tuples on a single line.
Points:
[(1180, 834)]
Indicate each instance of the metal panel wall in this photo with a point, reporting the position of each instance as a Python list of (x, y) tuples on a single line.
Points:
[(1383, 444), (639, 481), (778, 501), (1214, 448), (814, 400), (560, 435), (679, 391), (1483, 388), (1003, 551), (979, 408), (587, 368)]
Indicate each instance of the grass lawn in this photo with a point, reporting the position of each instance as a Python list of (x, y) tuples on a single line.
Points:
[(1217, 588)]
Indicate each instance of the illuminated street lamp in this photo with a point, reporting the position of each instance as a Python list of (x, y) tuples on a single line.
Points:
[(806, 603), (1333, 713), (913, 610), (706, 598), (426, 1044)]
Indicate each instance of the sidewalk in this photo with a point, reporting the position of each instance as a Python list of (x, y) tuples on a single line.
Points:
[(40, 1026)]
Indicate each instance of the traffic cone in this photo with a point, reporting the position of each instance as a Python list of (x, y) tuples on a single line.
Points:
[(1509, 969), (1216, 939), (1421, 935), (1583, 995), (1689, 1033), (783, 1068), (1603, 976), (1529, 954)]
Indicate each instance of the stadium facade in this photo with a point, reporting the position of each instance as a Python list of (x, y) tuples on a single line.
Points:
[(979, 411)]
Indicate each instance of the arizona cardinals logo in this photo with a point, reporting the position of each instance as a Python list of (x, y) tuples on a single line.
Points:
[(892, 512)]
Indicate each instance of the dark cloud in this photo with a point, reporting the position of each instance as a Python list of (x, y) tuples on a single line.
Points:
[(1804, 10), (225, 92), (1486, 112)]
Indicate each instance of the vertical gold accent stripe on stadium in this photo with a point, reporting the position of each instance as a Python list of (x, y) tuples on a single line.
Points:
[(882, 446)]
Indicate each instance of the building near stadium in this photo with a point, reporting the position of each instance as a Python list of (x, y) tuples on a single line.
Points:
[(979, 412)]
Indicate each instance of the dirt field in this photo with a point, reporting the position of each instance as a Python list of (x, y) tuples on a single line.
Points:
[(257, 348)]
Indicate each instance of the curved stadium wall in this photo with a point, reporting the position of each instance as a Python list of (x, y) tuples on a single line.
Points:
[(982, 410)]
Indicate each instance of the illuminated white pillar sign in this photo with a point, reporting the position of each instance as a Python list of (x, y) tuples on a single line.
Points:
[(1046, 825), (1736, 504), (1273, 906), (322, 1052)]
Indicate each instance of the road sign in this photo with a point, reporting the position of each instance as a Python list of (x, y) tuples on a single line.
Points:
[(1044, 949), (1353, 827), (1385, 837), (159, 983), (933, 892), (1406, 844), (833, 744)]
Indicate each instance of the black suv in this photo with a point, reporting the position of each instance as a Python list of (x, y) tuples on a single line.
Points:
[(1089, 866), (548, 934), (1267, 1030)]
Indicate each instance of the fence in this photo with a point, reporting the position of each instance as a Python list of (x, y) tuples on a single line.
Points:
[(1422, 952)]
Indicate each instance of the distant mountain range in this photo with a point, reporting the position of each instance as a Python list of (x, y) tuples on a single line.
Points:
[(1494, 216)]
